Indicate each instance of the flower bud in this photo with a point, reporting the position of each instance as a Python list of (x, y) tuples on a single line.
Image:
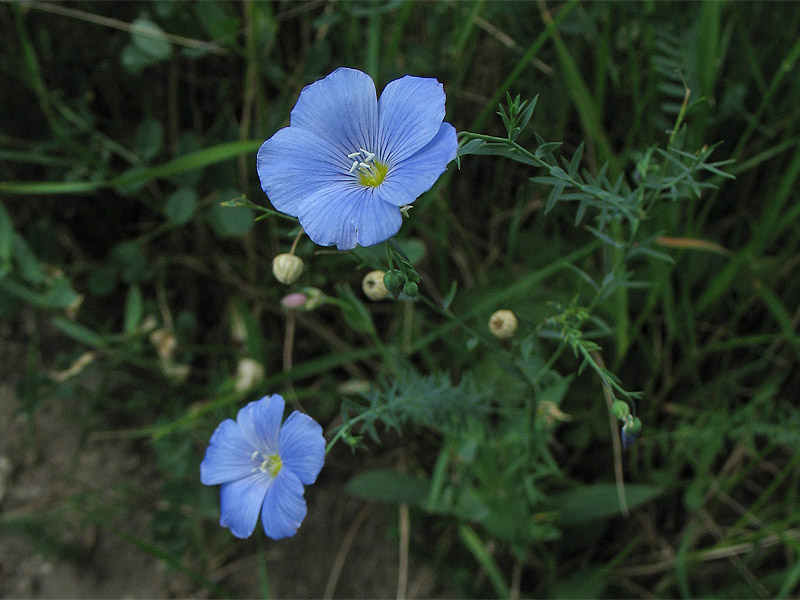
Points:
[(393, 280), (620, 410), (295, 300), (631, 431), (315, 298), (410, 289), (503, 324), (373, 286), (287, 268), (635, 426)]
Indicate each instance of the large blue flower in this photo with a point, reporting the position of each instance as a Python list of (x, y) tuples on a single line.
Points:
[(263, 466), (348, 161)]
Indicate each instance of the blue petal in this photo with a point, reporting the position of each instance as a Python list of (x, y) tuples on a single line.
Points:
[(228, 456), (260, 422), (241, 502), (294, 163), (284, 506), (347, 215), (302, 447), (407, 180), (342, 109), (410, 111)]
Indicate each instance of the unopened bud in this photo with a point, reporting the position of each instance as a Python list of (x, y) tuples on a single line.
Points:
[(503, 324), (315, 298), (292, 301), (373, 286), (410, 289), (631, 431), (393, 280), (287, 268), (620, 410)]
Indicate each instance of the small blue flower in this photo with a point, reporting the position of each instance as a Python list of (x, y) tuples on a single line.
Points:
[(348, 162), (263, 466)]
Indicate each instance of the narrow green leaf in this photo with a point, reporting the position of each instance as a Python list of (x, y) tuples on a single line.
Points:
[(481, 554), (6, 236), (134, 308), (450, 296), (555, 195), (189, 162), (78, 332), (600, 501)]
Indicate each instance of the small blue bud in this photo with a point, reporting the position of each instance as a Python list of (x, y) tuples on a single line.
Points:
[(630, 432)]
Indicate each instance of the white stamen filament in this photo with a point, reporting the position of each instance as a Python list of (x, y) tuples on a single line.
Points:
[(363, 163)]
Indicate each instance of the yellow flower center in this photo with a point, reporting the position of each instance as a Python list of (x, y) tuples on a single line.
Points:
[(375, 175), (371, 172), (271, 464)]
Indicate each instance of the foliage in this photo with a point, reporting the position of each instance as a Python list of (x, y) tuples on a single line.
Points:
[(649, 254)]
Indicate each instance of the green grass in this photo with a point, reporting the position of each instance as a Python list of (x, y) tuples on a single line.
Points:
[(119, 145)]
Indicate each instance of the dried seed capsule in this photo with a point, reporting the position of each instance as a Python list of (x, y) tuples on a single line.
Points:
[(287, 268), (373, 286), (503, 324)]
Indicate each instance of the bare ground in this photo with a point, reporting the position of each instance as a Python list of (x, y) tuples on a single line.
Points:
[(65, 529)]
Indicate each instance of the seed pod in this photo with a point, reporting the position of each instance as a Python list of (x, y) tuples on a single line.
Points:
[(503, 324), (287, 268), (373, 286)]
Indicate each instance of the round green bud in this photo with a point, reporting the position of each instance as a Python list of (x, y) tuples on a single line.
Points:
[(620, 409), (414, 277), (410, 289), (393, 280)]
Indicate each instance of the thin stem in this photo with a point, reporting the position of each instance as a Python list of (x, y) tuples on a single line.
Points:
[(296, 239), (616, 444)]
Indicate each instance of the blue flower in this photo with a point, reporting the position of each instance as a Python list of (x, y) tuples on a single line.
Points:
[(348, 161), (263, 466)]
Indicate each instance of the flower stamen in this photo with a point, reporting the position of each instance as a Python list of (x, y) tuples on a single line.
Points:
[(269, 464), (371, 172)]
